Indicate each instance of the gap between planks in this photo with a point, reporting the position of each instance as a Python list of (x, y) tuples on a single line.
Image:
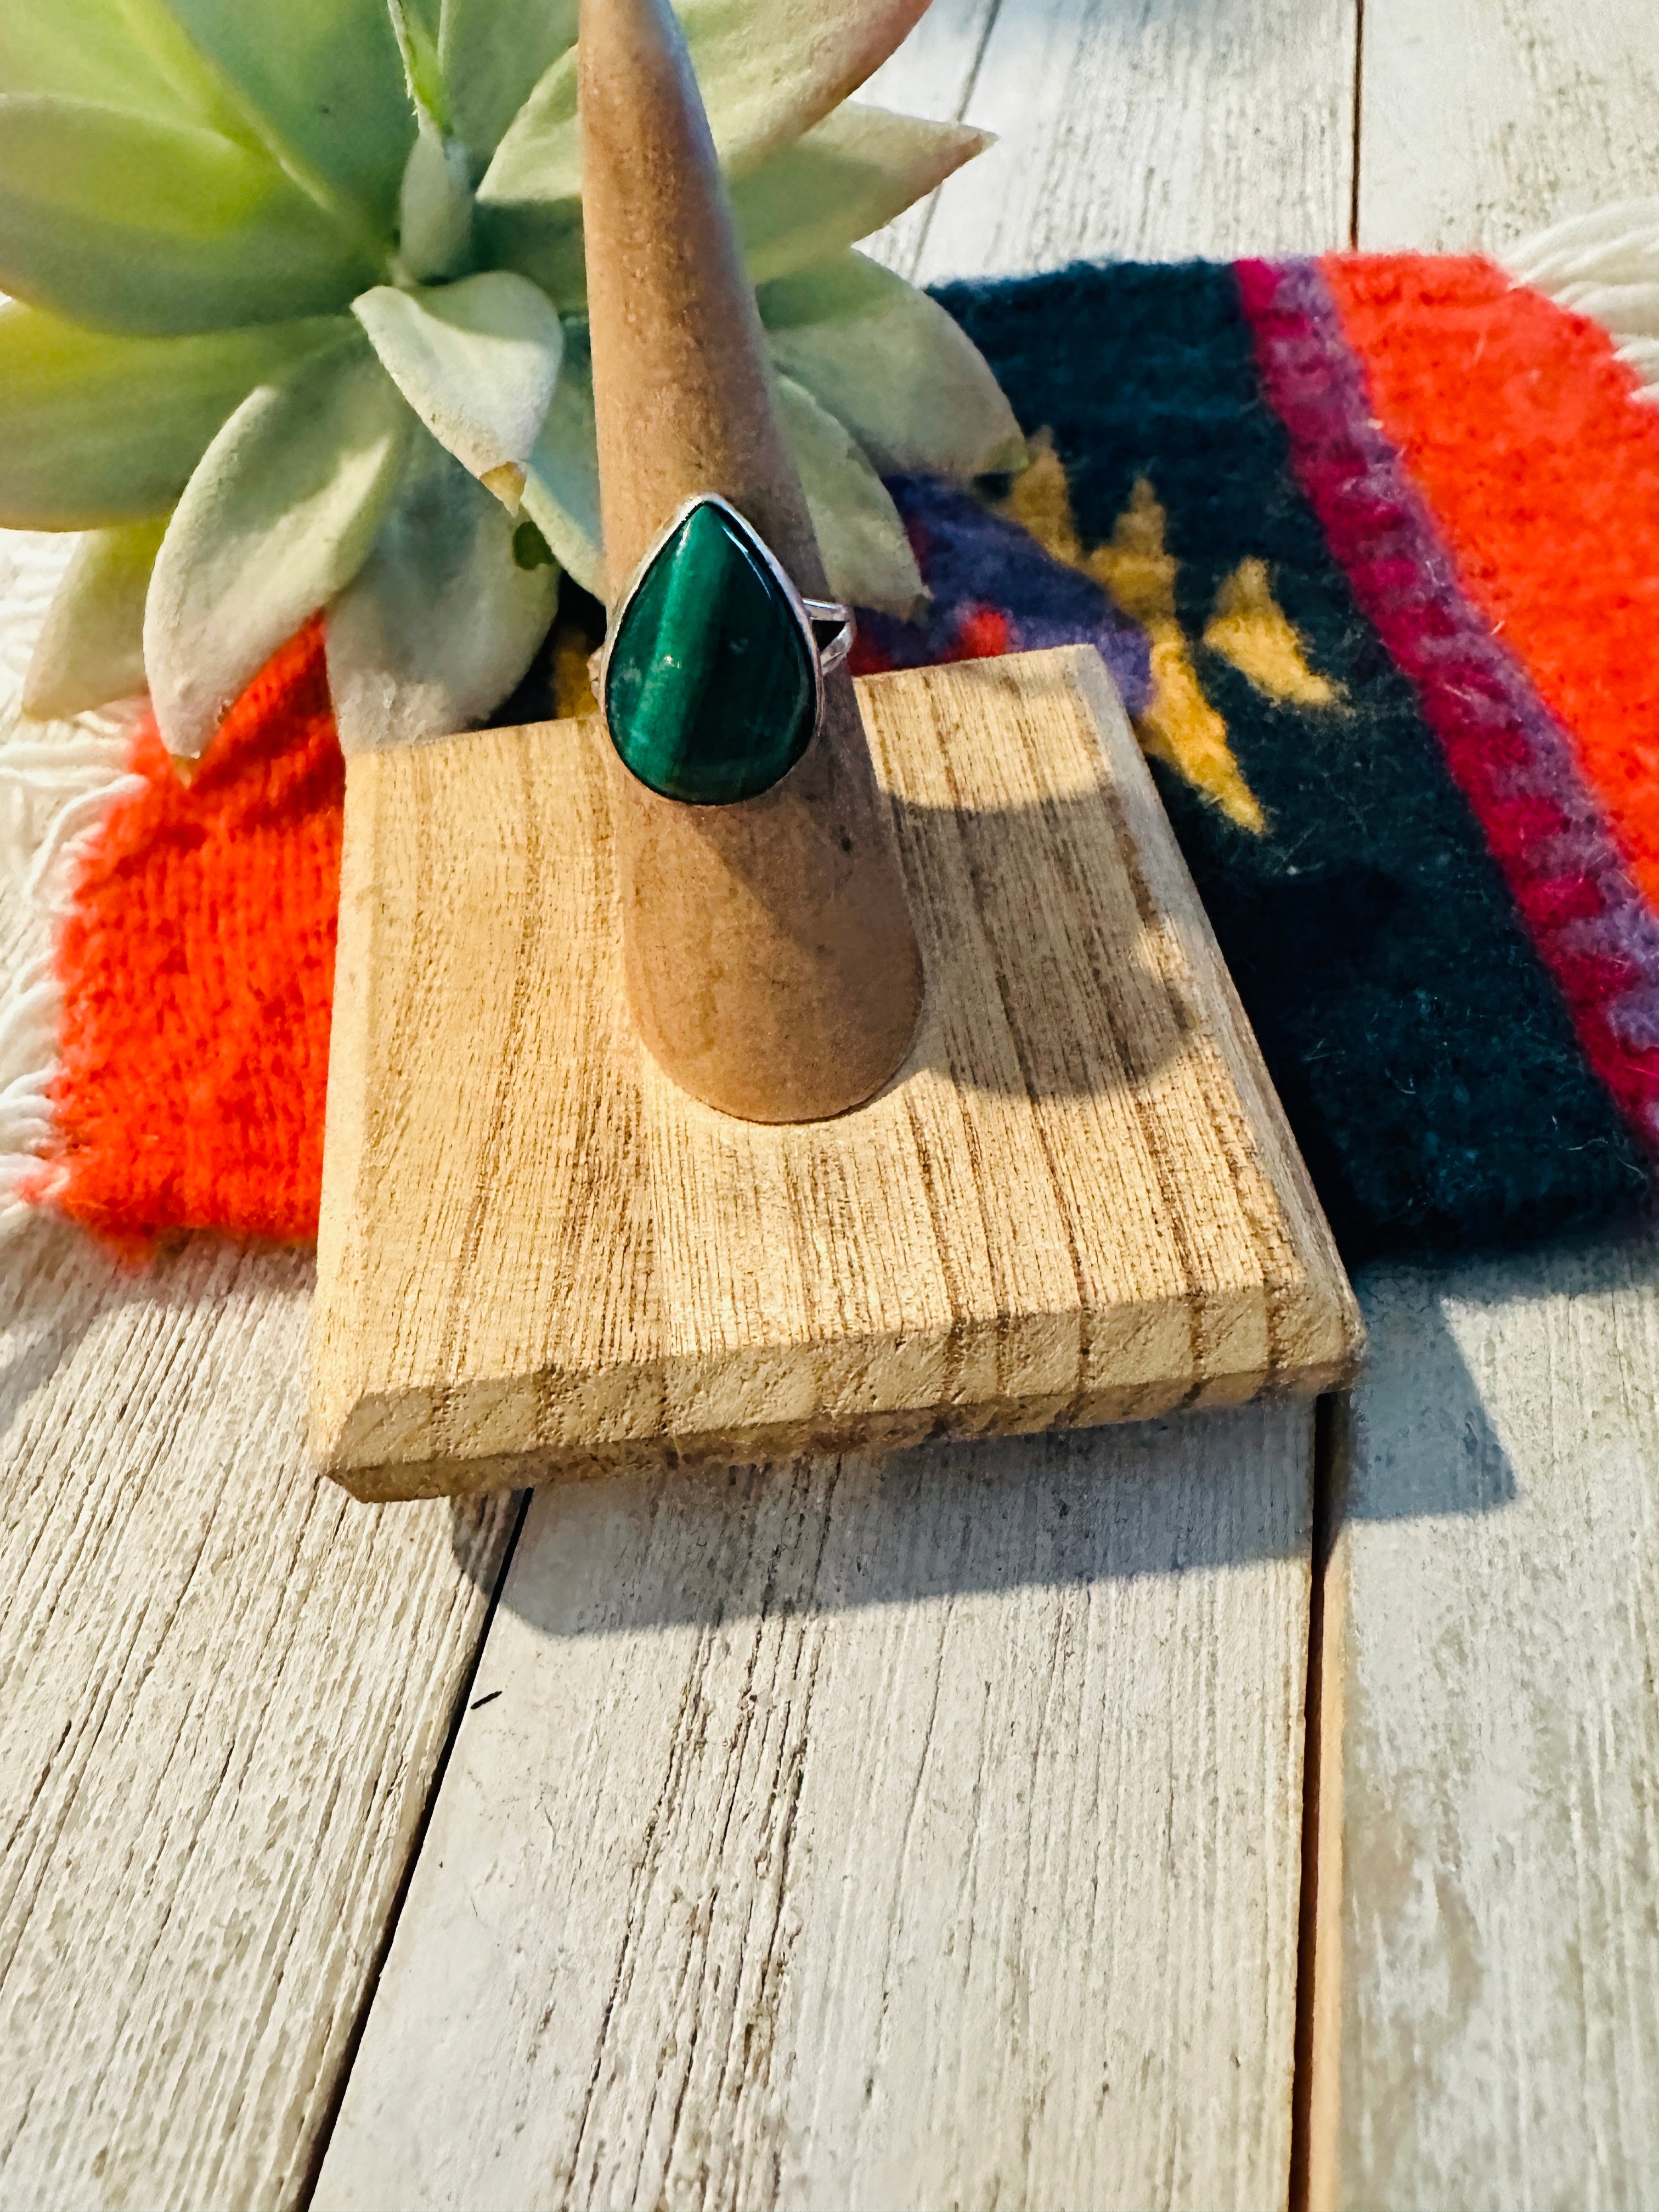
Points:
[(307, 2188), (1313, 2075)]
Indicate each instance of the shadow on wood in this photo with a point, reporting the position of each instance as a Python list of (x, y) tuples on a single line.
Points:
[(941, 1520)]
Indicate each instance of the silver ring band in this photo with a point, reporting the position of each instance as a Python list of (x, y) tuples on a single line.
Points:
[(831, 614)]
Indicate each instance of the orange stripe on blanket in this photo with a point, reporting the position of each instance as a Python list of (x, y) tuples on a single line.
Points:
[(198, 967), (1519, 424)]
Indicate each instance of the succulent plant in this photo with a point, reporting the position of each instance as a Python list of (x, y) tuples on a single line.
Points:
[(297, 322)]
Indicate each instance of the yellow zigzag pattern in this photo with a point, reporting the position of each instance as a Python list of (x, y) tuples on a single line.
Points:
[(1247, 626)]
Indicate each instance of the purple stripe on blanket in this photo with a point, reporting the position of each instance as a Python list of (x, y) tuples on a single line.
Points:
[(978, 564)]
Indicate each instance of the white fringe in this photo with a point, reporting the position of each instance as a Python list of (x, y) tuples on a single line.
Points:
[(1605, 265), (57, 781)]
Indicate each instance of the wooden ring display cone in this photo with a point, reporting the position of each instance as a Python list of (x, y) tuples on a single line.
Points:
[(771, 965)]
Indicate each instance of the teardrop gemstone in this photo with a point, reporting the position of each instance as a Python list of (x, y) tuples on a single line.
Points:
[(708, 690)]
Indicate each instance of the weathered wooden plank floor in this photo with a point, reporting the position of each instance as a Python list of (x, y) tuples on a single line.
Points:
[(1495, 1963), (866, 1834), (227, 1689), (923, 1834), (1483, 121)]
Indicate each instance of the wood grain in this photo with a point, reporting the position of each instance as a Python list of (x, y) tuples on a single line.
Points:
[(1500, 1967), (1151, 129), (1483, 121), (932, 74), (1077, 1201), (227, 1688), (915, 1833)]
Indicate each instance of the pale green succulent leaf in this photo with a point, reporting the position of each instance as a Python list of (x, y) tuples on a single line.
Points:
[(440, 622), (768, 69), (492, 54), (889, 363), (126, 224), (322, 83), (544, 243), (866, 552), (417, 49), (478, 360), (854, 172), (538, 162), (435, 201), (97, 430), (434, 222), (129, 54), (278, 518), (562, 483), (91, 646)]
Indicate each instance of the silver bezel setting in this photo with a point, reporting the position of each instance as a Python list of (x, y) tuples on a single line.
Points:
[(824, 658)]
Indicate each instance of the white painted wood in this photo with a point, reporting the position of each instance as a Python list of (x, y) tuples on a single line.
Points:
[(1483, 121), (1499, 1970), (932, 74), (226, 1689), (867, 1834), (1149, 128)]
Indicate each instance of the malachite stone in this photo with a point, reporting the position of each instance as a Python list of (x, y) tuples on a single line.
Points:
[(708, 690)]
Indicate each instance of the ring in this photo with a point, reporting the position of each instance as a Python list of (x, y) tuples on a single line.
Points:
[(833, 615), (711, 676)]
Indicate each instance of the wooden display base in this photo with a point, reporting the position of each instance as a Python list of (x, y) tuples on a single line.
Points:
[(1077, 1202)]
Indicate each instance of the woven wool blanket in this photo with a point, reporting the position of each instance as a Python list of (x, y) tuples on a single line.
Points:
[(1371, 546)]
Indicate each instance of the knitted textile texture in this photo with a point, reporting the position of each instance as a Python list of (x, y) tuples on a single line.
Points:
[(1370, 545)]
